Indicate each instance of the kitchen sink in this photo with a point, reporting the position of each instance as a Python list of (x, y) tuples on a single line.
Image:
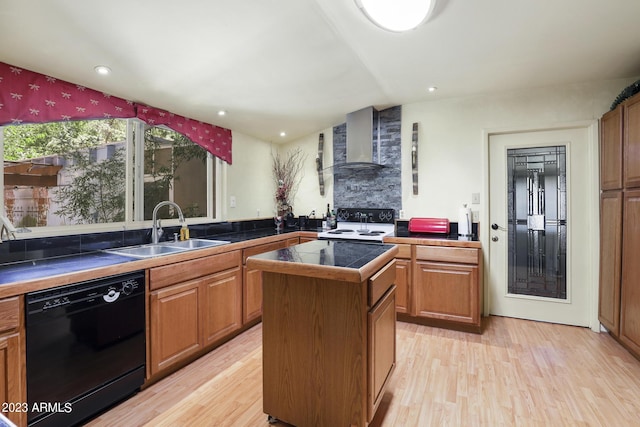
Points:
[(194, 243), (165, 248)]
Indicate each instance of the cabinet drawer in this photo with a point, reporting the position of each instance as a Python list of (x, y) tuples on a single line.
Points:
[(9, 314), (267, 247), (404, 251), (446, 254), (380, 282), (187, 270)]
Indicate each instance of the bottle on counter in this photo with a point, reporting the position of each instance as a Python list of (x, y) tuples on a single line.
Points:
[(326, 221), (334, 220)]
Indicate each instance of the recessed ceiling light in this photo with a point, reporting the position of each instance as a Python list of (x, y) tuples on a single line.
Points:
[(222, 113), (432, 89), (283, 133), (103, 70)]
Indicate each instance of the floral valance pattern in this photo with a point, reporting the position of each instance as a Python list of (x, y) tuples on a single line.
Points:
[(29, 97), (214, 139)]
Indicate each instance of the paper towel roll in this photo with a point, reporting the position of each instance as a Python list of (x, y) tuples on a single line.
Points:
[(464, 221)]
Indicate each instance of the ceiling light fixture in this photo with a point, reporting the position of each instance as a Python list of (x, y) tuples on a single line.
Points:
[(222, 113), (432, 89), (397, 15), (283, 134), (103, 70)]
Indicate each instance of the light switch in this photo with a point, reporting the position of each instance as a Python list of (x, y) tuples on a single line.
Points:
[(475, 198), (232, 201)]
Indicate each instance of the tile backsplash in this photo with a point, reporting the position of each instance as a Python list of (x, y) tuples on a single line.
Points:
[(378, 188)]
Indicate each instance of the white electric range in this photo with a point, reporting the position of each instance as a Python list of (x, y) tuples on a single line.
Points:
[(367, 225)]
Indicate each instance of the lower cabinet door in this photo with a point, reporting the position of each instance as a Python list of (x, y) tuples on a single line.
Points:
[(447, 292), (252, 295), (11, 385), (175, 324), (403, 279), (610, 260), (630, 292), (221, 304), (382, 349)]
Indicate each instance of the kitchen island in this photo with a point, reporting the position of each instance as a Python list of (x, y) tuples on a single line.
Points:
[(328, 331)]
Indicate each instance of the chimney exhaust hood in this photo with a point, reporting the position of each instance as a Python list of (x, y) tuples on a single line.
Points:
[(360, 140)]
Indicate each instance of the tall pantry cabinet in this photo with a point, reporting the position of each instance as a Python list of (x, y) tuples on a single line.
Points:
[(619, 299)]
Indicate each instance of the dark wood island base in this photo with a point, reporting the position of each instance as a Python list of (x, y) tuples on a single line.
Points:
[(328, 331)]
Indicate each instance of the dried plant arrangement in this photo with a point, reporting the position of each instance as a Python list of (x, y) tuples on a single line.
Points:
[(287, 173)]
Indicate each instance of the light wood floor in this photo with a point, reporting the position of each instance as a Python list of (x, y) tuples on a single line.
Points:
[(518, 373)]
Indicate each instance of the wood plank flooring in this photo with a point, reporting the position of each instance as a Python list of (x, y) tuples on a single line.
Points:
[(518, 373)]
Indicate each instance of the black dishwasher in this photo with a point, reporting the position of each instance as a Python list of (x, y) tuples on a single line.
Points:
[(85, 348)]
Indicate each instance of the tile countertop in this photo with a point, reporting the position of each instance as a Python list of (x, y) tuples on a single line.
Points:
[(26, 276), (335, 259)]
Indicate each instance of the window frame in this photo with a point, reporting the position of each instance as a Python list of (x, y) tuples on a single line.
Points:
[(134, 184)]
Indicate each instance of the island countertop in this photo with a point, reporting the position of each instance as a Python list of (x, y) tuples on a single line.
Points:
[(336, 260)]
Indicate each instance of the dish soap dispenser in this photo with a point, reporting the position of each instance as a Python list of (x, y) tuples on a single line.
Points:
[(184, 232)]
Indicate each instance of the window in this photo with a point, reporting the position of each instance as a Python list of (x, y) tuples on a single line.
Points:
[(65, 173), (76, 173), (174, 169)]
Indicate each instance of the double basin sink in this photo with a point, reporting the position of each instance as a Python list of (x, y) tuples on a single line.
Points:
[(165, 248)]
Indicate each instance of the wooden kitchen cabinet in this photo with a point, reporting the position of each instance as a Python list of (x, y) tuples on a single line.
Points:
[(447, 286), (252, 282), (447, 292), (202, 308), (630, 286), (12, 358), (611, 150), (610, 260), (631, 132), (403, 278), (382, 348), (221, 304), (619, 289), (175, 324), (328, 340)]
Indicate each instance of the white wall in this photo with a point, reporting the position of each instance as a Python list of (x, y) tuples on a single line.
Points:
[(450, 149), (308, 197), (451, 142), (451, 137), (249, 180)]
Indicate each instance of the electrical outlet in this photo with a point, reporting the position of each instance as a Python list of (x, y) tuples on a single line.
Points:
[(475, 198), (475, 216), (401, 214), (232, 201)]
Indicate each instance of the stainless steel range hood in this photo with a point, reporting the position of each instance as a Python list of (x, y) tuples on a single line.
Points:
[(360, 140)]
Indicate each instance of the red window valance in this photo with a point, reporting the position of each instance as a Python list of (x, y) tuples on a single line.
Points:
[(214, 139), (29, 97)]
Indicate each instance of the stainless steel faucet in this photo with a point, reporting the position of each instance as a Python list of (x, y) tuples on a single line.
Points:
[(156, 230)]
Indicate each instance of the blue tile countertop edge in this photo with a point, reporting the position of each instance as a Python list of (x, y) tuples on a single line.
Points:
[(36, 269), (67, 259)]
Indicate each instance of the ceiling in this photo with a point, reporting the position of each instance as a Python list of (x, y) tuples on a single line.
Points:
[(300, 65)]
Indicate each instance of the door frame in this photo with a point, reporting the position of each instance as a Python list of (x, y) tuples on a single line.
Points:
[(593, 202)]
